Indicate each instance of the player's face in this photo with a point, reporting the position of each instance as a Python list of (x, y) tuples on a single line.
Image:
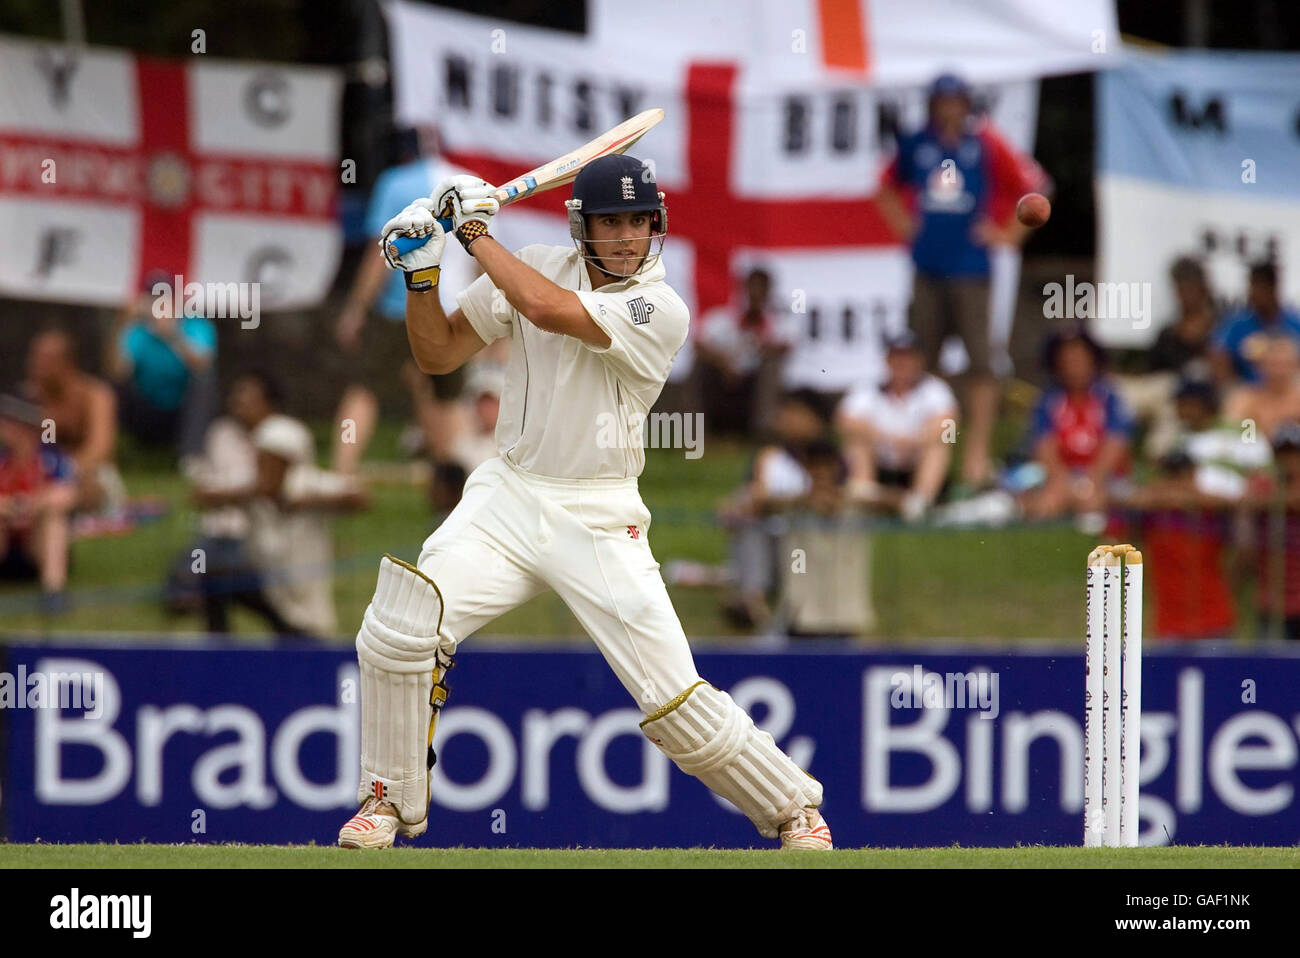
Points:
[(620, 241)]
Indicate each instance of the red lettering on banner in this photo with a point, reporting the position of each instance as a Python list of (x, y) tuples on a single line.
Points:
[(168, 179)]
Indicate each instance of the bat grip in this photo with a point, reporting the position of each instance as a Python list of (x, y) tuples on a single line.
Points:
[(404, 244)]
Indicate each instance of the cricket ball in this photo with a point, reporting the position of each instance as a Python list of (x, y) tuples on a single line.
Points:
[(1033, 210)]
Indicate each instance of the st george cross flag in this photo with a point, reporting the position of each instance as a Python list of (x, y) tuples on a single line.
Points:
[(113, 167)]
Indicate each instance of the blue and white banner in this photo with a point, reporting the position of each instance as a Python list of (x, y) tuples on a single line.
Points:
[(1197, 153), (542, 748)]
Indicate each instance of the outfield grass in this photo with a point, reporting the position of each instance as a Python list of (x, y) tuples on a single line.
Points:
[(1008, 585), (309, 856)]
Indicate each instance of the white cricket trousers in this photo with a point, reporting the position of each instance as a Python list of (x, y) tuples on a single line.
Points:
[(514, 534)]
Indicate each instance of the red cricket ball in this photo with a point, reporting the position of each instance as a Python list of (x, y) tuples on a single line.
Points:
[(1033, 210)]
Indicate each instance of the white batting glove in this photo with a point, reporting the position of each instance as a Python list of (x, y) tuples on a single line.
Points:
[(470, 203), (418, 219)]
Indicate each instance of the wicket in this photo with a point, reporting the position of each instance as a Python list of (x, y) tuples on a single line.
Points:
[(1112, 696)]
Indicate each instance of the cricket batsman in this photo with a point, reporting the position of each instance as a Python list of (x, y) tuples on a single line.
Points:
[(593, 331)]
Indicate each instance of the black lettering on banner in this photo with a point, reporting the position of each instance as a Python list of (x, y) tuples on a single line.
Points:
[(886, 122), (544, 87), (584, 115), (505, 90), (814, 323), (846, 323), (1211, 114), (457, 82), (627, 100), (796, 124), (844, 124)]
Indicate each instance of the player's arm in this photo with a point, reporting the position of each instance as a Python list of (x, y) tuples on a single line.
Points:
[(543, 303), (439, 343), (892, 202)]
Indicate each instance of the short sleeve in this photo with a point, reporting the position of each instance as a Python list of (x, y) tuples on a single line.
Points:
[(1224, 335), (1040, 421), (488, 313), (202, 334), (1119, 420), (857, 405), (646, 326), (938, 398)]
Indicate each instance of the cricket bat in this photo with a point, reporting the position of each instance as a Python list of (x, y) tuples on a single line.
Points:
[(557, 172)]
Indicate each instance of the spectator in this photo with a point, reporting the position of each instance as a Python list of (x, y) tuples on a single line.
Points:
[(83, 410), (895, 432), (1236, 346), (779, 481), (366, 363), (38, 491), (1181, 349), (1080, 432), (1185, 530), (738, 355), (828, 594), (1224, 454), (937, 195), (474, 440), (288, 504), (1274, 396), (1276, 535), (224, 482), (165, 370)]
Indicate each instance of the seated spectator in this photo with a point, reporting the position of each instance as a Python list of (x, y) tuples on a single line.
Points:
[(1275, 535), (472, 439), (164, 369), (1181, 349), (738, 354), (38, 491), (1236, 345), (1224, 454), (84, 412), (779, 480), (1185, 531), (1080, 432), (899, 434), (223, 478), (827, 593), (1274, 397)]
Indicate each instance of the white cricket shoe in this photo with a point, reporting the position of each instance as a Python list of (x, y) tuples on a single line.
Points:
[(806, 830), (376, 824)]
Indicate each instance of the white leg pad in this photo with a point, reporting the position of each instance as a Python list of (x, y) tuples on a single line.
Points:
[(398, 647), (709, 736)]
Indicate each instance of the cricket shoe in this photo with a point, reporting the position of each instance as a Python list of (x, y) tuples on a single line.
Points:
[(806, 830), (376, 824)]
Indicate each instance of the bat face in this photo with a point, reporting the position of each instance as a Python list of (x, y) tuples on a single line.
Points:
[(548, 176)]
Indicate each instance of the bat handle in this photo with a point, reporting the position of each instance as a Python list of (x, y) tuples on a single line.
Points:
[(404, 244)]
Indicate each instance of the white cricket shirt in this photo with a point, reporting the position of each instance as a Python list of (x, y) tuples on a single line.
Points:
[(900, 417), (571, 410)]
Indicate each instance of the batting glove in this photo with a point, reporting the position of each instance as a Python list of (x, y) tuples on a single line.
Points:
[(421, 263), (469, 202)]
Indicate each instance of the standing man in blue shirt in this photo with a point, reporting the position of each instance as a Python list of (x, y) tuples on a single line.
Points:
[(1239, 341), (371, 352), (943, 194)]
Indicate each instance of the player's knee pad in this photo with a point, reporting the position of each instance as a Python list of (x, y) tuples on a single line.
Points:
[(402, 687), (711, 737)]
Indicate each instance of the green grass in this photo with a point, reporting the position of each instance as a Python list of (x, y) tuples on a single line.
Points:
[(310, 856), (1010, 585)]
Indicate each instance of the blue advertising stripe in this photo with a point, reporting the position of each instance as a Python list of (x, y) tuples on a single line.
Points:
[(543, 748)]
